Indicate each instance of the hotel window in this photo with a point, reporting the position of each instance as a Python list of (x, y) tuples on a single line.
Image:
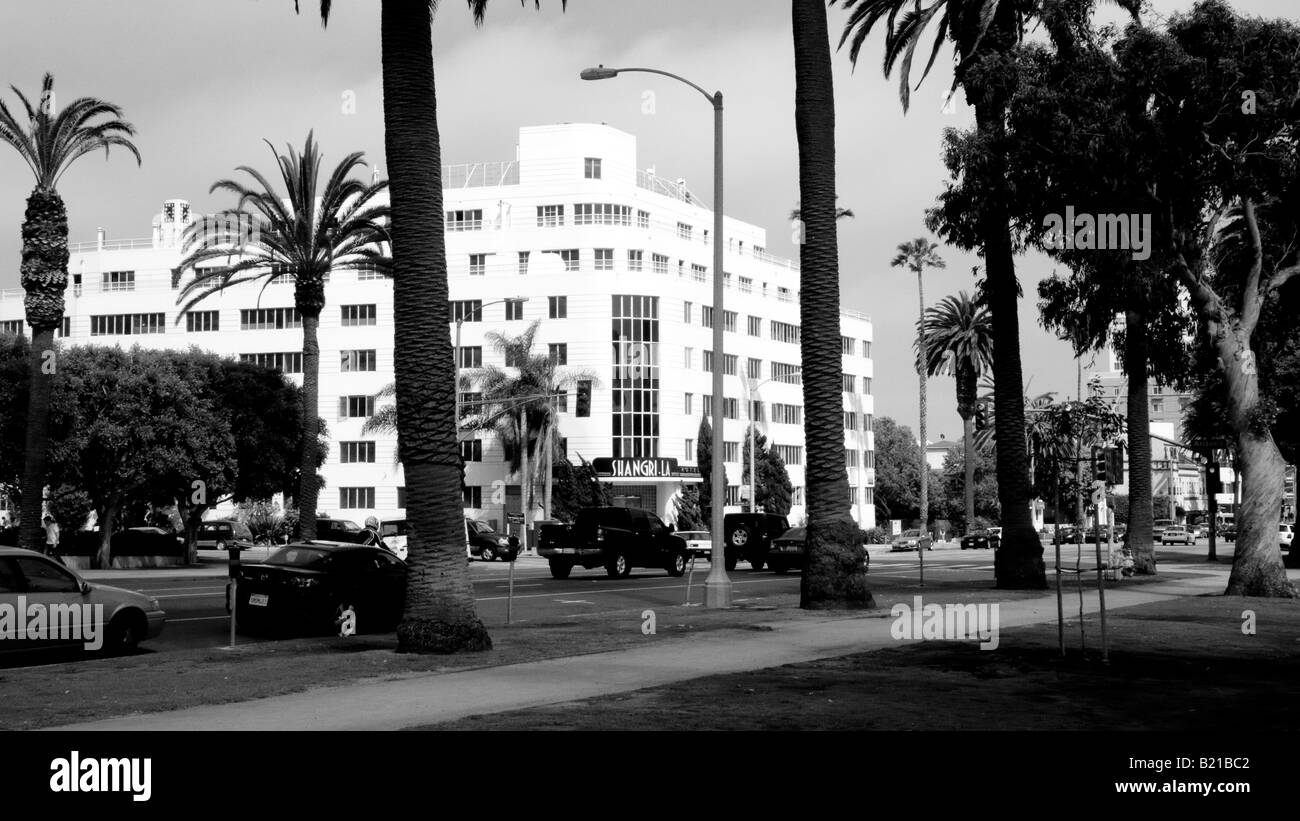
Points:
[(1157, 406), (869, 422), (681, 268), (358, 315), (477, 265), (65, 328), (284, 362), (790, 454), (562, 402), (356, 407), (706, 316), (688, 452), (706, 236), (591, 168), (12, 326), (796, 496), (866, 384), (523, 262), (683, 230), (746, 285), (118, 281), (868, 496), (687, 311), (557, 307), (870, 458), (465, 310), (269, 319), (558, 353), (550, 216), (127, 324), (634, 390), (754, 368), (471, 450), (848, 345), (660, 263), (785, 332), (642, 219), (583, 399), (787, 414), (1157, 389), (866, 348), (698, 272), (514, 309), (708, 406), (358, 360), (687, 360), (203, 321), (601, 213), (470, 403), (465, 220), (515, 358), (401, 497), (756, 411), (789, 374), (850, 420), (729, 321), (729, 361), (471, 496), (708, 362), (851, 458), (853, 494), (571, 259), (733, 495), (755, 325), (634, 260), (688, 406), (604, 259), (784, 295), (357, 498), (356, 452), (850, 383), (471, 356), (366, 270), (730, 408), (731, 451)]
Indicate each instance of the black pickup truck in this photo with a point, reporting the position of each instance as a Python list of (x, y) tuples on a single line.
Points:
[(615, 538)]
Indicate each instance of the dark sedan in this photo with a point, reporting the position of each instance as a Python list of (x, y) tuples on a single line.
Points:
[(319, 587), (790, 550), (981, 540)]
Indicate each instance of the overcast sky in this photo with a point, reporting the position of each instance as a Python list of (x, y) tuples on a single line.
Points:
[(203, 89)]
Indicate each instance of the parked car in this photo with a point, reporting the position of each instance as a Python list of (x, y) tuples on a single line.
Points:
[(1178, 534), (485, 543), (126, 618), (912, 540), (1286, 534), (314, 587), (698, 542), (1158, 527), (393, 532), (749, 535), (981, 539), (790, 551), (221, 533), (339, 530), (616, 538)]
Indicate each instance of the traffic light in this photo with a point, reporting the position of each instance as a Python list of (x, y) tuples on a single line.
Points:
[(1115, 464), (1213, 484), (981, 415), (584, 398), (1099, 465)]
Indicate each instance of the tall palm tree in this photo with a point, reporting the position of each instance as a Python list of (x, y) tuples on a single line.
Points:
[(983, 32), (918, 255), (440, 613), (49, 141), (304, 234), (957, 336), (834, 576)]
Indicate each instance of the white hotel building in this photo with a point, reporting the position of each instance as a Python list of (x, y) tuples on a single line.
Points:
[(616, 263)]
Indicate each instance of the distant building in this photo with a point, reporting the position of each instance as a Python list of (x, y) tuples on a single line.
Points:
[(936, 452)]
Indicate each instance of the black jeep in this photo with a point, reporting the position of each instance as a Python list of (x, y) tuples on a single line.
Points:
[(749, 535)]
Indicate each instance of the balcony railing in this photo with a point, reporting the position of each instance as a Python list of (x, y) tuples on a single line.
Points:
[(111, 245), (480, 174)]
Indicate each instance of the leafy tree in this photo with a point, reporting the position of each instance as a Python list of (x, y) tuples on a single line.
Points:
[(687, 509), (305, 233), (51, 139), (576, 487), (774, 491), (15, 354), (898, 471), (958, 337), (976, 484), (833, 576)]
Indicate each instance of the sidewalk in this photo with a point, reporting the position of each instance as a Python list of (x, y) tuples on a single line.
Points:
[(430, 698)]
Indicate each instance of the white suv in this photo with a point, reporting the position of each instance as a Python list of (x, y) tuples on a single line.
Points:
[(1285, 534)]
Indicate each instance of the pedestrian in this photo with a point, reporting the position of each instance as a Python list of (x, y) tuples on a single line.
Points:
[(370, 534), (52, 539)]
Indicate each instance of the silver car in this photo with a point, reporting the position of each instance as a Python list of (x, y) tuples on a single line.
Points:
[(96, 616), (698, 542)]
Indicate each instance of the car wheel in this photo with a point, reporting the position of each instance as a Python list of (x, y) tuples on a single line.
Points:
[(619, 567), (561, 570), (123, 635), (756, 564), (738, 537), (678, 565), (779, 568), (488, 554), (221, 544)]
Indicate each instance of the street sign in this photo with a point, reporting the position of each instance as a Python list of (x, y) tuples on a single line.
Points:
[(1099, 496), (515, 518)]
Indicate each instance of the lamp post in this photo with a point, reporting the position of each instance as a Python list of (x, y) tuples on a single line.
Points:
[(717, 588)]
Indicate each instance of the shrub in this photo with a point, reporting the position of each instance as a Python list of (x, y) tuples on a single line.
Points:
[(875, 535)]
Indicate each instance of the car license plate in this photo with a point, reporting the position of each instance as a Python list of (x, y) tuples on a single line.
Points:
[(259, 600)]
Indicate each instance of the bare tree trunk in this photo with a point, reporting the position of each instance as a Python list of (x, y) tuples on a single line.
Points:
[(1140, 514), (104, 558)]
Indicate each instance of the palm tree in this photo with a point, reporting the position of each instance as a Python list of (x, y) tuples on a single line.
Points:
[(440, 613), (305, 234), (918, 255), (957, 336), (983, 32), (833, 577), (49, 142), (518, 404)]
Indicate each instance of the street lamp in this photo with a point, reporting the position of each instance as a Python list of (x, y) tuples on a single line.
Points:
[(717, 588)]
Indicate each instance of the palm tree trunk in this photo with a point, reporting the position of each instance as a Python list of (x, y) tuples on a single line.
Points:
[(834, 575), (308, 487), (440, 616), (968, 434), (44, 278), (1140, 515), (921, 368), (525, 478)]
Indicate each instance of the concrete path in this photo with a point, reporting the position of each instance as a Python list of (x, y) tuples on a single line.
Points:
[(437, 697)]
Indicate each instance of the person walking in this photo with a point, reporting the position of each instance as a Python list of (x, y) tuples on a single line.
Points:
[(52, 539)]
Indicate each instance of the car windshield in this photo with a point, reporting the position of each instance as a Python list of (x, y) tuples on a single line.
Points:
[(694, 535), (481, 528), (306, 557), (795, 533)]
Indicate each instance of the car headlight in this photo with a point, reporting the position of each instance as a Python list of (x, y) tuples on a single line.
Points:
[(153, 605)]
